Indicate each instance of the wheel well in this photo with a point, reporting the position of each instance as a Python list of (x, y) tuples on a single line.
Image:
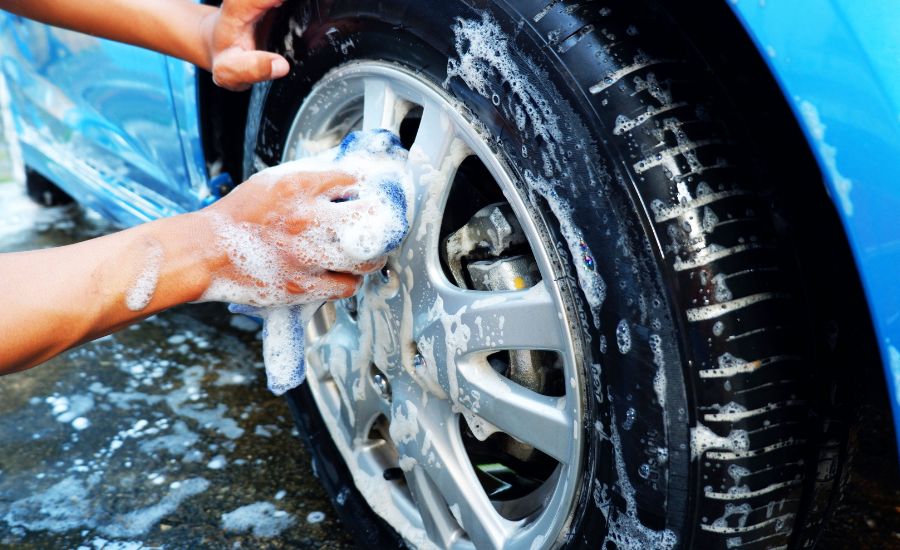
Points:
[(803, 208), (839, 318)]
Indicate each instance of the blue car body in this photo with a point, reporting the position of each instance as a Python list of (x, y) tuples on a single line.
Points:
[(838, 65), (118, 126)]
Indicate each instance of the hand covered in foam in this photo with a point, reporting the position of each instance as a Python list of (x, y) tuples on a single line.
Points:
[(304, 231), (298, 234)]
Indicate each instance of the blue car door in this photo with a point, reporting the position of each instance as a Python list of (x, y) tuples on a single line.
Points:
[(103, 113)]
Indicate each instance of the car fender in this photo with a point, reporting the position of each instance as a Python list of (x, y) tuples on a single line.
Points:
[(838, 65)]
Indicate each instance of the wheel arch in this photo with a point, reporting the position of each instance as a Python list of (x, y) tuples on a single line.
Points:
[(819, 129)]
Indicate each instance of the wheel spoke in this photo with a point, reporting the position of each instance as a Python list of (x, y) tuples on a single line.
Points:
[(434, 157), (434, 138), (493, 320), (538, 420), (439, 523), (381, 106), (358, 401), (439, 452)]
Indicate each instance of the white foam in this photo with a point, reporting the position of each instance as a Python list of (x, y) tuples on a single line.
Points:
[(141, 292), (407, 463), (71, 409), (659, 379), (625, 528), (405, 428), (60, 508), (828, 155), (483, 51), (81, 423), (623, 337), (702, 439), (261, 517), (315, 517)]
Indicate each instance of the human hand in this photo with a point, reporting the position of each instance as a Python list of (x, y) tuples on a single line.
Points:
[(279, 233), (230, 37)]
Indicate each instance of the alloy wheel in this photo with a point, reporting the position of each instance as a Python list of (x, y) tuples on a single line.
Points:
[(451, 383)]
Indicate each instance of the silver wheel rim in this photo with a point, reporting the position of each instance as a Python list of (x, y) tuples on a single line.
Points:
[(412, 347)]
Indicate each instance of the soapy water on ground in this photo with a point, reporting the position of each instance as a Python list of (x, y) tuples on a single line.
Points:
[(356, 229), (162, 435)]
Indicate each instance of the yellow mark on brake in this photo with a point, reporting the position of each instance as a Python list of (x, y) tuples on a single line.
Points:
[(519, 283)]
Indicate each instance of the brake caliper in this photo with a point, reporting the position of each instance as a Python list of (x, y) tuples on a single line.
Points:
[(485, 250)]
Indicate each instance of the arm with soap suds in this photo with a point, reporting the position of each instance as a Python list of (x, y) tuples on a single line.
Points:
[(257, 246), (220, 40)]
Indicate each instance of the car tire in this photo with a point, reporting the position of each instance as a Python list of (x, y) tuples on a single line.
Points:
[(43, 191), (702, 425)]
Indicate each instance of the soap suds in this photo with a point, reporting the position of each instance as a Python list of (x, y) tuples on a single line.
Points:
[(141, 292), (71, 409), (828, 155), (659, 379), (625, 528), (262, 518), (703, 439), (483, 52), (360, 227), (140, 521), (623, 337)]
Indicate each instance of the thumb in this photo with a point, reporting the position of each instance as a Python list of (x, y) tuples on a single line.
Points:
[(236, 69)]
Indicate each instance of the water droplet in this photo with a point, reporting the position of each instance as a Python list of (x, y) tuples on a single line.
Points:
[(629, 419), (623, 337), (718, 328)]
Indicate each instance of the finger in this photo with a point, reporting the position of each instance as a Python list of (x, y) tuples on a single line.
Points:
[(236, 69), (332, 186), (248, 11), (341, 285), (295, 176), (347, 265), (330, 285), (369, 267)]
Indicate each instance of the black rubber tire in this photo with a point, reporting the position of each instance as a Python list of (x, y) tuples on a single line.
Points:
[(653, 171), (43, 191)]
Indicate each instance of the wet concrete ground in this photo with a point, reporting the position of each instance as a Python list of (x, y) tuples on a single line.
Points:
[(161, 435), (164, 435), (868, 517)]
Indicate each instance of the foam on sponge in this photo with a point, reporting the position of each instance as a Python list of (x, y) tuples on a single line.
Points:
[(361, 227)]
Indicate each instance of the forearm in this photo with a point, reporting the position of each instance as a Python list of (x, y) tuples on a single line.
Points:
[(172, 27), (59, 298)]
